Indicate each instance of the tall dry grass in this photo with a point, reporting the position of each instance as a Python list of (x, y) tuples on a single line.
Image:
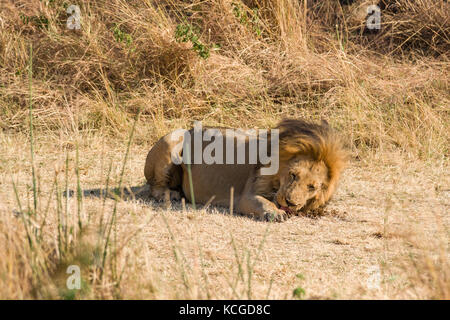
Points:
[(272, 58), (266, 59)]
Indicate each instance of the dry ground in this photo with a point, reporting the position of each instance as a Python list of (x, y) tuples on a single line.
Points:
[(237, 63), (389, 215)]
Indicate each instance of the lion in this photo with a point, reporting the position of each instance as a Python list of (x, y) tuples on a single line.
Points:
[(310, 159)]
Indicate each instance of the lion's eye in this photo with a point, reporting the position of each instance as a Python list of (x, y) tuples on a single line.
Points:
[(293, 176), (311, 187)]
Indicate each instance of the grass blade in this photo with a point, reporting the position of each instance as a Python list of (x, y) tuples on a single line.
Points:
[(33, 169)]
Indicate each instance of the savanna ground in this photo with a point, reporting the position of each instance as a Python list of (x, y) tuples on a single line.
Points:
[(72, 149)]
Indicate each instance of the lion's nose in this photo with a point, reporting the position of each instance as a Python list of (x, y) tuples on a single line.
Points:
[(289, 203)]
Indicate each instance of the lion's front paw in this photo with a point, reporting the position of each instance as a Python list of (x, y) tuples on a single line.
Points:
[(276, 216)]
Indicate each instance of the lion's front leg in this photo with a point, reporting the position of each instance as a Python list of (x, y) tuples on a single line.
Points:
[(260, 208)]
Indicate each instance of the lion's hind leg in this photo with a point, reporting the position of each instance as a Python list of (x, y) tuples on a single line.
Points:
[(163, 176)]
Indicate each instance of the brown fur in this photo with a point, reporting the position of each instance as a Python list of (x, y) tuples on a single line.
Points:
[(311, 158)]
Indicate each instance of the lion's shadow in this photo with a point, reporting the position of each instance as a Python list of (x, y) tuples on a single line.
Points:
[(138, 193), (141, 195)]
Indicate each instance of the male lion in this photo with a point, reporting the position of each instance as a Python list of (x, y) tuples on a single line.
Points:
[(311, 158)]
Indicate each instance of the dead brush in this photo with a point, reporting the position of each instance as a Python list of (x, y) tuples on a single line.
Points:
[(415, 28)]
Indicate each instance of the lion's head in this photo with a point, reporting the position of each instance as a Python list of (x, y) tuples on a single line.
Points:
[(311, 159), (302, 182)]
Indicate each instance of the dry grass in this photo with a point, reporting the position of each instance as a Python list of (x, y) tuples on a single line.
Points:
[(386, 92)]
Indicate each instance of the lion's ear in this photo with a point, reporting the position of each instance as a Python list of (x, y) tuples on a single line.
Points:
[(325, 123)]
